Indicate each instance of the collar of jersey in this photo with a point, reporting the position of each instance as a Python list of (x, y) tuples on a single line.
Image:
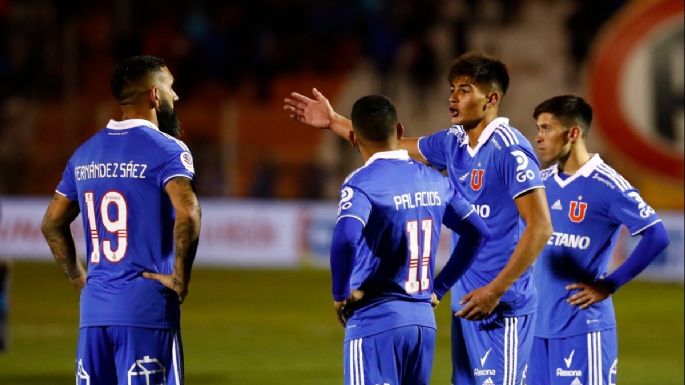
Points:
[(130, 123), (584, 170), (485, 135), (396, 154)]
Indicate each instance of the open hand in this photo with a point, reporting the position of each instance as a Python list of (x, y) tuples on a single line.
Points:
[(315, 112)]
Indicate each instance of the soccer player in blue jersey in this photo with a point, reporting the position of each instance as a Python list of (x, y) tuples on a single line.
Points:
[(383, 253), (493, 166), (132, 182), (575, 337)]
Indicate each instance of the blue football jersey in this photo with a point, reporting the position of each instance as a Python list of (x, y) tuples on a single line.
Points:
[(118, 178), (500, 168), (587, 210), (401, 203)]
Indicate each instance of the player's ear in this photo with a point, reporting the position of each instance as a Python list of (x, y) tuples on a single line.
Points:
[(574, 133), (492, 99), (154, 96), (353, 140), (400, 131)]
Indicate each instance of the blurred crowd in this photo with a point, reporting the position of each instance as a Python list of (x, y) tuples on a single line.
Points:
[(53, 50)]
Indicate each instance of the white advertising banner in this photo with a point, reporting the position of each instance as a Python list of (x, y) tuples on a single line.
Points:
[(278, 234), (248, 233), (20, 235)]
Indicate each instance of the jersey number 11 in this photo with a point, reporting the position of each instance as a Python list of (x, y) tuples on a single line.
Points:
[(413, 285)]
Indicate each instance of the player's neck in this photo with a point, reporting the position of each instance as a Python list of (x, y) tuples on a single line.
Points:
[(370, 149), (577, 157), (133, 113), (475, 132)]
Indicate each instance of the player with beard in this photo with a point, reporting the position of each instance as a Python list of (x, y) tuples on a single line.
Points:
[(133, 184)]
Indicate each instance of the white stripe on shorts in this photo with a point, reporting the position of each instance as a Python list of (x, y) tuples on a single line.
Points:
[(356, 362), (511, 342), (174, 359), (594, 358)]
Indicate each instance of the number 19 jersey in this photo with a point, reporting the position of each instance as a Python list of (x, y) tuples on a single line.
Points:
[(118, 178)]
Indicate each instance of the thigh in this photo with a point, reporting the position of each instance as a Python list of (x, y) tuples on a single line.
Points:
[(399, 356), (499, 348), (148, 356), (538, 372), (95, 358), (591, 357)]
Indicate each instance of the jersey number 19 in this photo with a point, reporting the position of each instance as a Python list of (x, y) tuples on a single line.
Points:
[(116, 224)]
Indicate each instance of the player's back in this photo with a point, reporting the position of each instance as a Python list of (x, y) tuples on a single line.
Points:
[(395, 264), (118, 177)]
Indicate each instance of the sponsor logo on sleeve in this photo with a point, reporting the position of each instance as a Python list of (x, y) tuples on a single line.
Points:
[(645, 209), (187, 161), (522, 171), (345, 198)]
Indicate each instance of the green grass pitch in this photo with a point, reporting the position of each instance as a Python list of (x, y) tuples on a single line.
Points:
[(267, 327)]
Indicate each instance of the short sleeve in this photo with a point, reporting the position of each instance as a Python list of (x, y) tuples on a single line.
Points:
[(67, 186), (354, 203), (630, 209), (520, 170), (434, 148), (179, 164)]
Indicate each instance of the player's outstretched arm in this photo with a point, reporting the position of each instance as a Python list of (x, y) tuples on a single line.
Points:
[(532, 207), (318, 112), (654, 241), (55, 227), (186, 235)]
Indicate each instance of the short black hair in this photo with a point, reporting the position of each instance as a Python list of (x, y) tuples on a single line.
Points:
[(568, 109), (482, 69), (374, 118), (130, 72)]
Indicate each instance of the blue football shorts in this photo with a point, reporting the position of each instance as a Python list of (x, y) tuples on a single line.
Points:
[(590, 358), (120, 355), (402, 355), (491, 351)]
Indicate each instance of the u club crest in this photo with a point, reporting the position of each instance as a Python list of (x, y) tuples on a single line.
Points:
[(477, 178), (576, 211)]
